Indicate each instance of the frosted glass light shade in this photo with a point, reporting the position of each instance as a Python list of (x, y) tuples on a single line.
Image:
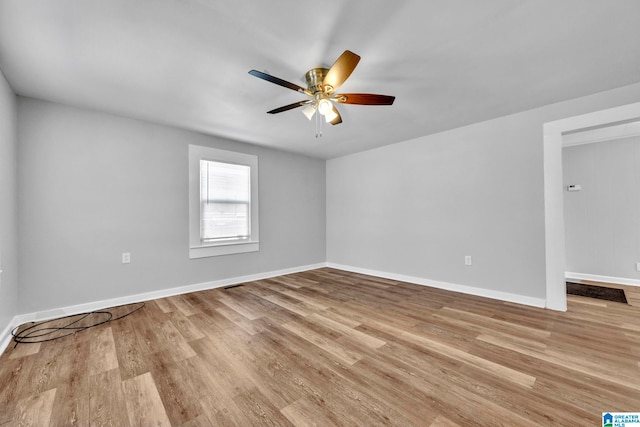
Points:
[(330, 116), (309, 110), (324, 106)]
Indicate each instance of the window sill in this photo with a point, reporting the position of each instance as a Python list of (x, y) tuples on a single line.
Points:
[(223, 249)]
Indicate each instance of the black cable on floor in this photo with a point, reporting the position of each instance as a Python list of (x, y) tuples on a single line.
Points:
[(35, 333)]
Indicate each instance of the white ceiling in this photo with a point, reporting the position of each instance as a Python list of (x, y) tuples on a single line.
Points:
[(448, 62)]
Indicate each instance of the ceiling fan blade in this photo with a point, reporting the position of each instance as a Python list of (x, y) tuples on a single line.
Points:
[(288, 107), (279, 82), (364, 99), (340, 70), (337, 120)]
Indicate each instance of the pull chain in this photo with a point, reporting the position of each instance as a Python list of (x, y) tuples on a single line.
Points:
[(318, 125)]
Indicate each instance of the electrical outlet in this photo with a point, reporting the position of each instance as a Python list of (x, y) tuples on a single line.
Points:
[(467, 260), (637, 266), (126, 257)]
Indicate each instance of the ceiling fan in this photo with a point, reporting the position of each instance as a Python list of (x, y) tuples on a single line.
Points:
[(321, 86)]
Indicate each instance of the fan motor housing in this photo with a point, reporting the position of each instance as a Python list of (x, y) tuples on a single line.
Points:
[(315, 77)]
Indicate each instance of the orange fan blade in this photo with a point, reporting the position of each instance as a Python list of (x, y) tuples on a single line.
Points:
[(364, 99), (340, 71)]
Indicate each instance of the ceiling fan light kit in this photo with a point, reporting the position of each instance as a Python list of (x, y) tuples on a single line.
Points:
[(309, 110), (321, 85)]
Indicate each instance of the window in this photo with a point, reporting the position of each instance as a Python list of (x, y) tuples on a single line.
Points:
[(223, 202)]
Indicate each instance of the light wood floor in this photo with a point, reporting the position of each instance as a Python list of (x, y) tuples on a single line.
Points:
[(327, 347)]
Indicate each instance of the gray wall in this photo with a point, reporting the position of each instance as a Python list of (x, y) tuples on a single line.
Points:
[(602, 221), (8, 205), (418, 207), (93, 185)]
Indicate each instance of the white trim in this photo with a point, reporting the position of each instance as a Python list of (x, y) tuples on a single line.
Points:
[(601, 134), (471, 290), (553, 192), (5, 336), (223, 249), (598, 278)]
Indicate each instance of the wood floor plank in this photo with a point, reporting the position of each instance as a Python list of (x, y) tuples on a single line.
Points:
[(414, 389), (102, 354), (365, 339), (573, 362), (144, 406), (175, 389), (106, 400), (328, 384), (304, 412), (442, 421), (220, 364), (494, 324), (35, 410), (329, 347), (339, 391), (187, 329), (347, 321), (132, 359), (211, 321), (290, 282), (278, 377), (242, 322), (183, 305), (287, 304), (461, 356), (453, 382), (165, 305), (14, 382), (172, 342), (214, 398), (258, 411), (239, 307), (311, 301), (23, 350), (72, 405), (50, 367)]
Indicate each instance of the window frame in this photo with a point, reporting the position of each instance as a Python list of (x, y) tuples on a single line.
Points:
[(202, 249)]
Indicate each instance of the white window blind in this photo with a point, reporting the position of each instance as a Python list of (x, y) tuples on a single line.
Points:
[(225, 201)]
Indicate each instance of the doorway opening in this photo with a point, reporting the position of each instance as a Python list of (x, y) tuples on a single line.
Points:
[(556, 298)]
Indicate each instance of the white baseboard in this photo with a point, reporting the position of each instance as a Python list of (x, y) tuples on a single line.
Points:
[(487, 293), (5, 335), (598, 278)]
